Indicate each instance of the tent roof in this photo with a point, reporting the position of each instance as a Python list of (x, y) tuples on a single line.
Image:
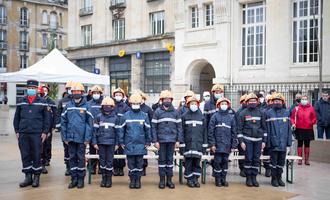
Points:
[(55, 67)]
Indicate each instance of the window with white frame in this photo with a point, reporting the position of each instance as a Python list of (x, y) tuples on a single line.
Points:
[(306, 30), (24, 61), (86, 35), (209, 14), (194, 17), (87, 3), (44, 40), (3, 36), (119, 29), (254, 34), (44, 17), (3, 14), (53, 20), (157, 23), (24, 17), (3, 61)]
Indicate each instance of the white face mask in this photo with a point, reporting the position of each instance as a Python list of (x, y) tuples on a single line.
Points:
[(218, 96), (118, 98), (45, 94), (304, 102), (135, 106), (262, 100), (193, 108), (96, 96), (207, 98), (69, 92), (223, 107)]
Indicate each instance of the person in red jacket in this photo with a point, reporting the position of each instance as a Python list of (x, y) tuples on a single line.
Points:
[(303, 118)]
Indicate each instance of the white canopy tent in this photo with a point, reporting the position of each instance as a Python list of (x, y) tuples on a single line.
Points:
[(55, 68)]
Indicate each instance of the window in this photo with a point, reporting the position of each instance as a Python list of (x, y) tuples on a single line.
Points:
[(157, 72), (120, 73), (157, 23), (23, 40), (194, 17), (119, 29), (53, 20), (305, 30), (3, 61), (3, 36), (254, 34), (87, 3), (3, 15), (24, 62), (87, 64), (86, 35), (44, 17), (61, 20), (209, 15), (44, 40), (24, 17)]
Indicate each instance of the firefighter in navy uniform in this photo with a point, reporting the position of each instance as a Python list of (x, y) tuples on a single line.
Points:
[(61, 106), (95, 105), (31, 124), (252, 137), (105, 139), (195, 141), (210, 106), (279, 137), (120, 109), (76, 130), (47, 145), (167, 134), (135, 137), (222, 138), (240, 150), (185, 107)]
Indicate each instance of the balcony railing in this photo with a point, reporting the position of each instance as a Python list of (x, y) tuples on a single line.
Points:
[(117, 4), (24, 46), (24, 23), (86, 11)]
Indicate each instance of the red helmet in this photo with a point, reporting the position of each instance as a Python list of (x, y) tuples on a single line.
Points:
[(40, 90)]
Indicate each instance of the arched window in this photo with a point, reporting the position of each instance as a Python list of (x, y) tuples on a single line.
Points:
[(44, 17), (53, 20)]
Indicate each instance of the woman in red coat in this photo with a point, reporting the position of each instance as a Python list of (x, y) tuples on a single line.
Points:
[(303, 118)]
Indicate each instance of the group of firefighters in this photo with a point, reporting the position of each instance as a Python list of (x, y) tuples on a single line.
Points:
[(120, 125)]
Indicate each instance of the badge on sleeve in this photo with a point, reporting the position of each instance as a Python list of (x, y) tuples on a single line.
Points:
[(106, 126), (194, 124), (284, 119), (82, 111)]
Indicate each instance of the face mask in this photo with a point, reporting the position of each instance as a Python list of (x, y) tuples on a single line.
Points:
[(252, 105), (31, 92), (224, 107), (262, 100), (218, 96), (135, 107), (96, 96), (193, 108), (183, 103), (107, 109), (69, 92), (207, 98), (304, 102), (298, 100), (118, 98), (277, 105), (167, 104), (77, 96)]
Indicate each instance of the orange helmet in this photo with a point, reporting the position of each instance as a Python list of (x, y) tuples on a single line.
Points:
[(222, 100), (192, 99)]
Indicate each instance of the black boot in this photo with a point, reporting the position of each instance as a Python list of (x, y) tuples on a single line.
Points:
[(254, 181), (280, 182), (218, 182), (274, 181), (104, 179), (138, 182), (47, 163), (121, 172), (242, 173), (27, 181), (224, 181), (268, 173), (44, 170), (67, 170), (169, 182), (108, 181), (144, 173), (74, 182), (196, 183), (80, 182), (115, 171), (190, 183), (132, 182), (161, 182), (36, 179), (249, 182)]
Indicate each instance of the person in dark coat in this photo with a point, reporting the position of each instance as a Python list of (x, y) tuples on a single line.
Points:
[(105, 139), (76, 130), (31, 124), (121, 108), (252, 137), (195, 141), (241, 152), (322, 108), (135, 137), (167, 134), (222, 138), (217, 92), (66, 99), (184, 108), (279, 137)]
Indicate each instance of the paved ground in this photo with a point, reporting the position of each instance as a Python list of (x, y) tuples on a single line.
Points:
[(310, 182)]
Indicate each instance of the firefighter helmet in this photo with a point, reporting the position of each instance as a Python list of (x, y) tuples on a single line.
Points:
[(166, 94), (107, 101), (118, 90), (217, 87), (222, 100), (135, 98)]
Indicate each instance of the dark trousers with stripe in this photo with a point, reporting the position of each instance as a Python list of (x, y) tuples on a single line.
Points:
[(165, 160), (77, 159), (192, 167), (135, 165), (106, 153), (47, 149), (30, 146), (252, 157), (266, 163), (66, 154), (277, 162), (220, 165), (119, 163)]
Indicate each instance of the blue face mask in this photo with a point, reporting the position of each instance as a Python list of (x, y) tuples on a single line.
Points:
[(31, 92)]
